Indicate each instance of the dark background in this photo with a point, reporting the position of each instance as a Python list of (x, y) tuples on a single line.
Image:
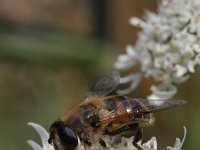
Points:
[(51, 52)]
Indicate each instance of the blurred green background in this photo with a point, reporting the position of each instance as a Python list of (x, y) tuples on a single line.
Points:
[(52, 51)]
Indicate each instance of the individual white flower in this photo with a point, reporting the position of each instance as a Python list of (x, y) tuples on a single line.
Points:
[(124, 144), (168, 46)]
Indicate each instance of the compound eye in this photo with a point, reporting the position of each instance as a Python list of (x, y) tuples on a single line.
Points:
[(68, 136)]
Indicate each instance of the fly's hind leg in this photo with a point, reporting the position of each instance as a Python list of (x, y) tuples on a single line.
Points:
[(136, 132), (137, 138)]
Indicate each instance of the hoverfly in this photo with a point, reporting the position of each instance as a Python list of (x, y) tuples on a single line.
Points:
[(98, 115)]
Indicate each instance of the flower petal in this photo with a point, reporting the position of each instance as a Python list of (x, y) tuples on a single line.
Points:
[(178, 143), (131, 51), (134, 79), (44, 136), (34, 145), (164, 91), (150, 145), (180, 70), (137, 22), (126, 61)]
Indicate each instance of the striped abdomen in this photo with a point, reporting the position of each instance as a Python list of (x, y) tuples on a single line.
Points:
[(121, 109)]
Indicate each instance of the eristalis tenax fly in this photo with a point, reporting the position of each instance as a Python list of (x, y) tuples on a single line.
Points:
[(99, 115)]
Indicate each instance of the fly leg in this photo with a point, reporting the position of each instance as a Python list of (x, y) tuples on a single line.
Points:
[(135, 128), (103, 143), (137, 138), (130, 127)]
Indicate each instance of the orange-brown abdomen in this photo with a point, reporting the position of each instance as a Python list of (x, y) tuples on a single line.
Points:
[(121, 109)]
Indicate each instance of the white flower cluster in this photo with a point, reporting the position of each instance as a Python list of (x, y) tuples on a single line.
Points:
[(167, 49), (126, 143)]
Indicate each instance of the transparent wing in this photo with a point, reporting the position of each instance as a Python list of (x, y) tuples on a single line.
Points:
[(158, 105), (105, 85), (138, 106)]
